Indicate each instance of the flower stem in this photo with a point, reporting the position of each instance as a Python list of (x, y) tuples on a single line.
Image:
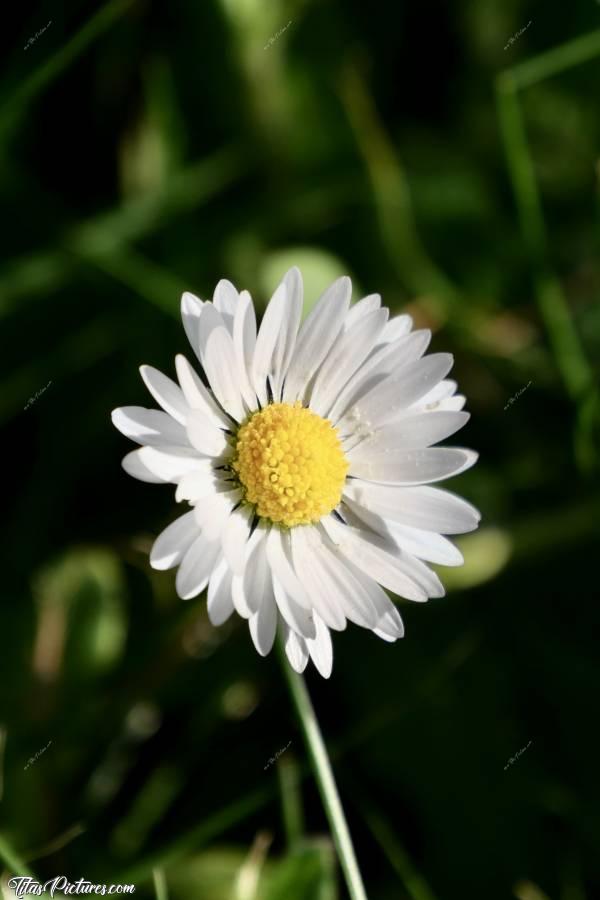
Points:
[(160, 884), (324, 776)]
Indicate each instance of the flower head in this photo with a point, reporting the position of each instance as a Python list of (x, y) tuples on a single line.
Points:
[(307, 461)]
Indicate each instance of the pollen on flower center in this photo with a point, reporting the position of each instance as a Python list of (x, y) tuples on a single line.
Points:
[(290, 463)]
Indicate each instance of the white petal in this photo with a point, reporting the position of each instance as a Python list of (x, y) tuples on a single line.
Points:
[(384, 635), (134, 466), (166, 393), (345, 357), (426, 545), (155, 464), (429, 508), (238, 595), (398, 391), (295, 648), (377, 530), (389, 624), (397, 327), (349, 593), (320, 649), (295, 293), (382, 362), (149, 426), (295, 615), (257, 581), (415, 466), (325, 594), (172, 544), (441, 391), (422, 574), (244, 335), (191, 307), (316, 337), (235, 536), (268, 333), (205, 436), (360, 309), (442, 397), (220, 363), (225, 300), (354, 602), (254, 585), (198, 396), (204, 482), (421, 544), (219, 602), (214, 511), (388, 621), (279, 556), (369, 552), (408, 432), (263, 625), (455, 403), (277, 337), (196, 567)]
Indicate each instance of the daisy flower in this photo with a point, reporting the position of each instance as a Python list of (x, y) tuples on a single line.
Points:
[(306, 457)]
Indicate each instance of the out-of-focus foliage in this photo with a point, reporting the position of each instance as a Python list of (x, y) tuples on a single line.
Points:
[(445, 155)]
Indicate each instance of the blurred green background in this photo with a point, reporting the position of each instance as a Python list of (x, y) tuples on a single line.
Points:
[(444, 155)]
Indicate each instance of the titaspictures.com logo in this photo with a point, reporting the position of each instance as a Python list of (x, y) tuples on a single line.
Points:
[(28, 887)]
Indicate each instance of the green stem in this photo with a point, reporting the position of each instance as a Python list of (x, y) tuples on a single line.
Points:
[(289, 778), (558, 59), (413, 881), (552, 303), (18, 99), (12, 860), (392, 197), (160, 884), (200, 835), (323, 773)]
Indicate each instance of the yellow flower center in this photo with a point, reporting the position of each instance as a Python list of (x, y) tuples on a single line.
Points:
[(290, 463)]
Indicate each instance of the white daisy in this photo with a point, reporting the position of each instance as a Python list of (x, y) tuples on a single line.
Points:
[(307, 462)]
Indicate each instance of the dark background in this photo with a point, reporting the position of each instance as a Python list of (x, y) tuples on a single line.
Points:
[(149, 148)]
